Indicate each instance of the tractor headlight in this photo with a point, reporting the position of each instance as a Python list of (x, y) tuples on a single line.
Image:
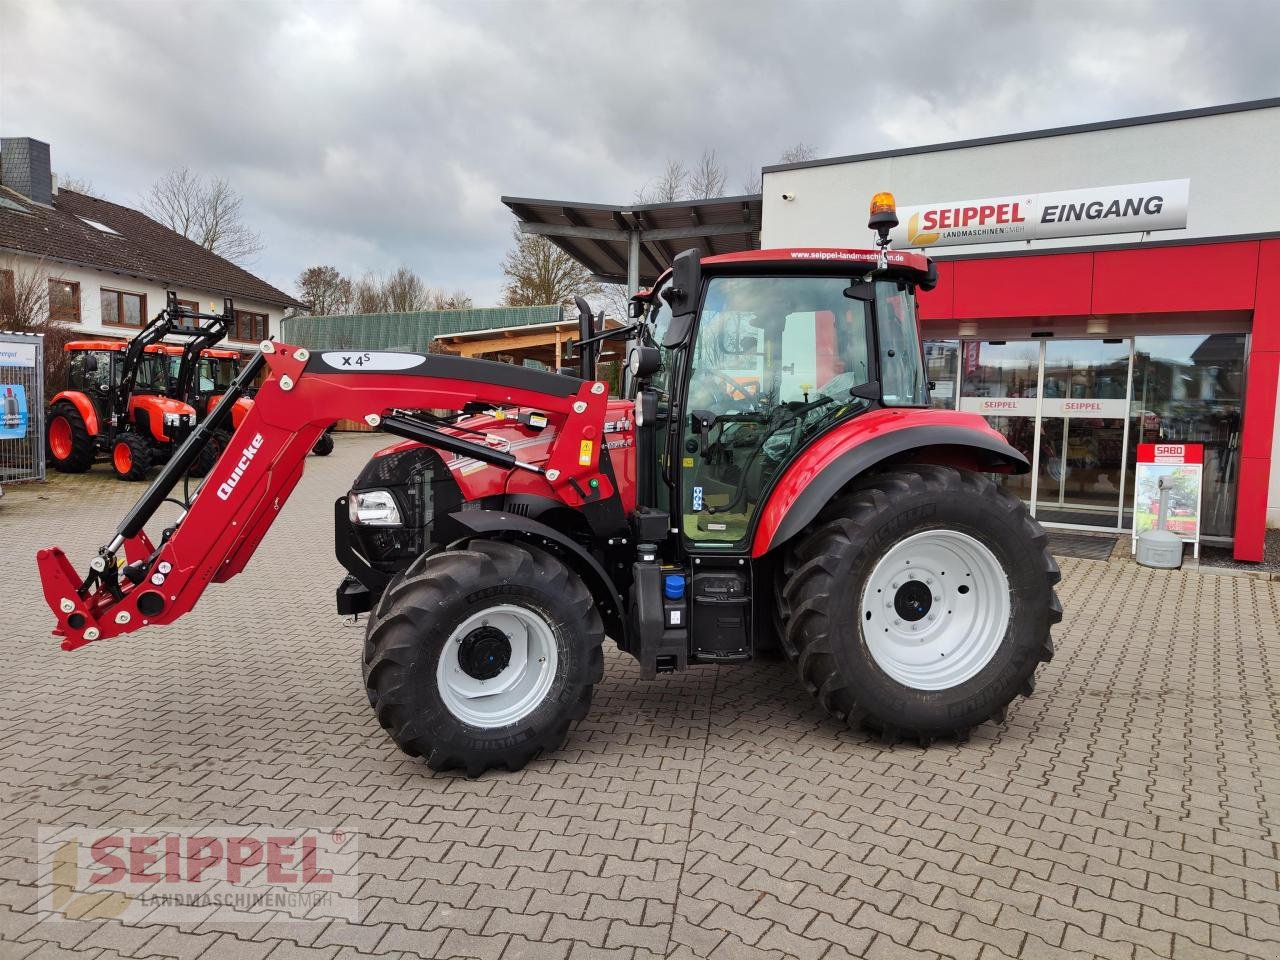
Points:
[(373, 508), (172, 419)]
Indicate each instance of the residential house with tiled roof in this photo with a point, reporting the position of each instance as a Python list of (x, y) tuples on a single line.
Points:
[(109, 267)]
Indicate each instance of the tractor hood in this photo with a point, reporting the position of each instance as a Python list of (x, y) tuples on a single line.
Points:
[(161, 414)]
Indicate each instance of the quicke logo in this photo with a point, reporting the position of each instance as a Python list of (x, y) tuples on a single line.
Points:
[(246, 457)]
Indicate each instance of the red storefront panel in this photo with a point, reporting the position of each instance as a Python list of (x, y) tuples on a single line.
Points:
[(1217, 276), (1057, 285)]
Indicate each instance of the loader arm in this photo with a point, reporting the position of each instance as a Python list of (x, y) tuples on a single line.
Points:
[(303, 394)]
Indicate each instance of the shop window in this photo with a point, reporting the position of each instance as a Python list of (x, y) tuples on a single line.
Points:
[(1190, 389), (123, 309), (64, 301)]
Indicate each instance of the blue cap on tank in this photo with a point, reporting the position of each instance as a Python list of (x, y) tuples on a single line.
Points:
[(673, 586)]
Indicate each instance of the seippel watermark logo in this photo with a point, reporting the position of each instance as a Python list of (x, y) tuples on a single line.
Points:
[(185, 874)]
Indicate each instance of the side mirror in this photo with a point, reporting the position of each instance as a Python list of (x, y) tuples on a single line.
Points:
[(702, 422), (863, 291), (682, 296), (90, 363)]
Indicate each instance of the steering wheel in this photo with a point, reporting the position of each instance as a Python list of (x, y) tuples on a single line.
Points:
[(731, 386)]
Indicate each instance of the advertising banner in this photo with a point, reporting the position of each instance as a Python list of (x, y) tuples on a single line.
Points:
[(13, 411), (17, 354), (1128, 208), (1183, 465)]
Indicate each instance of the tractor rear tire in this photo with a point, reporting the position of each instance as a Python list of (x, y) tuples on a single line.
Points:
[(71, 448), (324, 446), (496, 613), (131, 457), (912, 566)]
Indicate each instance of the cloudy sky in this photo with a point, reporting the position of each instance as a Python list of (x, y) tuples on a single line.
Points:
[(372, 134)]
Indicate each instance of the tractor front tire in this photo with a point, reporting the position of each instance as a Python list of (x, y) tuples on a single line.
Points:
[(324, 446), (483, 656), (71, 448), (208, 456), (921, 602), (131, 457)]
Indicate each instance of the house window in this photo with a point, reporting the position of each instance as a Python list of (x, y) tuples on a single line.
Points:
[(64, 301), (250, 327), (191, 305), (8, 297), (121, 309)]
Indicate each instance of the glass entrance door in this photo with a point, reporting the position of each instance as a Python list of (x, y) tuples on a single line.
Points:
[(1080, 465), (1000, 379)]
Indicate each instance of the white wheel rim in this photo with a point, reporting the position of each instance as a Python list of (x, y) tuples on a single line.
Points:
[(935, 609), (474, 683)]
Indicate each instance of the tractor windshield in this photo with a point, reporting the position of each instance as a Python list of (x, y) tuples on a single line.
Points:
[(773, 365)]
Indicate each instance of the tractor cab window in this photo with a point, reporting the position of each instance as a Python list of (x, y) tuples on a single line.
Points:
[(902, 373), (153, 374), (90, 371), (216, 374), (772, 367)]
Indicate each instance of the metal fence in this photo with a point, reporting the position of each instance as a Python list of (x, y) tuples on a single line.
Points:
[(21, 407)]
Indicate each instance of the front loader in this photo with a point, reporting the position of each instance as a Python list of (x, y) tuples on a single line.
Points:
[(772, 478)]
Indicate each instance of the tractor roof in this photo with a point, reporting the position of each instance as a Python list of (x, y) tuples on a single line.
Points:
[(802, 259), (221, 354), (817, 260), (109, 345)]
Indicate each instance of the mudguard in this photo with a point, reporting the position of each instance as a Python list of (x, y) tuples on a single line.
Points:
[(926, 436), (501, 525), (88, 412)]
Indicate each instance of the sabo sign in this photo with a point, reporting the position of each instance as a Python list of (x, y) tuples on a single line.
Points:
[(1129, 208)]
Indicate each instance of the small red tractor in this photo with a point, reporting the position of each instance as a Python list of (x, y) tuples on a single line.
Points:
[(773, 477)]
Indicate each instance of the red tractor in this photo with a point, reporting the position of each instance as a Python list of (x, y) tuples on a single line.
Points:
[(773, 477)]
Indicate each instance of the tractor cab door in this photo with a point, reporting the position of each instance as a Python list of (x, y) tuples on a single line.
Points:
[(772, 366), (94, 373)]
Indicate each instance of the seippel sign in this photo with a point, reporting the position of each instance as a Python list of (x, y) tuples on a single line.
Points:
[(1129, 208)]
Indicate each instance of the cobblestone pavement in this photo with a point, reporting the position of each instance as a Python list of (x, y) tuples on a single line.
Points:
[(1127, 810)]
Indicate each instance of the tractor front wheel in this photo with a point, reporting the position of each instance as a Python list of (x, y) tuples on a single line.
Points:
[(324, 446), (483, 657), (131, 457), (921, 602), (71, 448)]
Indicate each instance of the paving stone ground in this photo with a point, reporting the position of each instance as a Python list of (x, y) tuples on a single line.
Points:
[(1128, 810)]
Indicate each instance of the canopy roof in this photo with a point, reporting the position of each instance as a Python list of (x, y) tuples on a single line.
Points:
[(634, 243)]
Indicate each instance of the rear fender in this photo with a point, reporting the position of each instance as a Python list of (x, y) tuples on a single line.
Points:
[(88, 412), (941, 437), (239, 409), (500, 525)]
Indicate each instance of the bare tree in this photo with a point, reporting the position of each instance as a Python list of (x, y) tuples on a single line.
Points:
[(539, 272), (439, 300), (206, 211), (324, 290), (404, 291), (753, 182), (67, 181), (708, 178), (672, 185), (368, 295), (24, 308), (797, 153)]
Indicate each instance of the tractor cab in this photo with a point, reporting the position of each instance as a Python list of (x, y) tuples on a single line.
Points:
[(745, 360)]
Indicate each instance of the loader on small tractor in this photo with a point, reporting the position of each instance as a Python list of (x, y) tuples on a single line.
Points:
[(774, 475)]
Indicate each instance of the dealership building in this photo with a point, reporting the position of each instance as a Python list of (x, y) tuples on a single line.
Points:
[(1100, 286)]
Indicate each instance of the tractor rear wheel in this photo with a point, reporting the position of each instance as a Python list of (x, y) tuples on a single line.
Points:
[(921, 603), (71, 449), (208, 456), (482, 657), (131, 457)]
